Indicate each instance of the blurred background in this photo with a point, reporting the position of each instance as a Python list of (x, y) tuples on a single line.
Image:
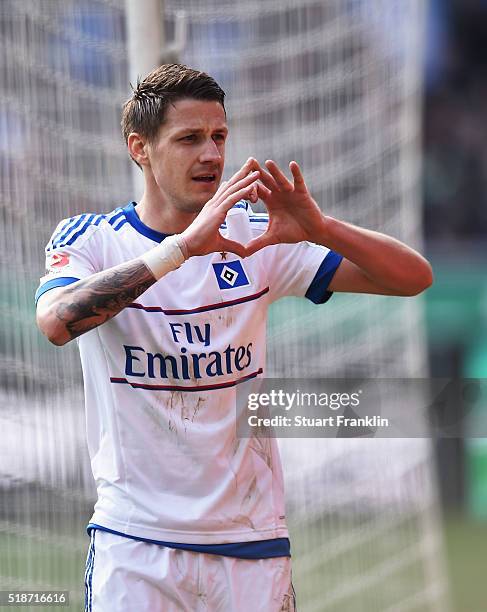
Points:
[(455, 227), (383, 103)]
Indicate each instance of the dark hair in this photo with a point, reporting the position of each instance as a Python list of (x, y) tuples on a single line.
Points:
[(145, 111)]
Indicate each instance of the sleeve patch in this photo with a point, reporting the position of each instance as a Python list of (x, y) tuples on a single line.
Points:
[(58, 260)]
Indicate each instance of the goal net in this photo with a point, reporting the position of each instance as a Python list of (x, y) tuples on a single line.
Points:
[(335, 85)]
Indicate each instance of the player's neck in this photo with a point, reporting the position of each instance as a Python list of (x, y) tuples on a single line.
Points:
[(162, 217)]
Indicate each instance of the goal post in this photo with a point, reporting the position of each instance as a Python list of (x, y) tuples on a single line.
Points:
[(145, 43)]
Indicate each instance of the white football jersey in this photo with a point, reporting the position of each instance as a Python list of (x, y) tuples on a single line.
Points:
[(160, 379)]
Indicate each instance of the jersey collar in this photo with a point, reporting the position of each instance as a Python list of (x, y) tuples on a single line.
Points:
[(134, 220)]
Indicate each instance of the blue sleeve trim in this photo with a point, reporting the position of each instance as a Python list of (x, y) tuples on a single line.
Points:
[(52, 284), (317, 291), (261, 549)]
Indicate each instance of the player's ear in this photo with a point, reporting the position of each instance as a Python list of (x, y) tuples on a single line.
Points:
[(137, 146)]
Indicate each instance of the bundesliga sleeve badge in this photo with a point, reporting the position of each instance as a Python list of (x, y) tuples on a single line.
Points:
[(230, 274), (59, 260)]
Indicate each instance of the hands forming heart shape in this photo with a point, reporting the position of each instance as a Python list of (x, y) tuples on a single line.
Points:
[(293, 214)]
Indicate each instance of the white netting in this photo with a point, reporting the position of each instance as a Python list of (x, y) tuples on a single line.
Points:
[(334, 84)]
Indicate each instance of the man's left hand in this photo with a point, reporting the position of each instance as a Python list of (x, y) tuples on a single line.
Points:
[(293, 214), (372, 262)]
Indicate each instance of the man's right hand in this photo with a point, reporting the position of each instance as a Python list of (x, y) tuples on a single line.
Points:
[(203, 235)]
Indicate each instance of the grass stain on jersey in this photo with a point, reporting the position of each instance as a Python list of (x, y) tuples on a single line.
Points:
[(197, 408), (250, 490), (262, 447), (243, 519)]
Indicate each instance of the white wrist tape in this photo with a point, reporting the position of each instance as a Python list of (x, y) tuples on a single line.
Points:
[(166, 257)]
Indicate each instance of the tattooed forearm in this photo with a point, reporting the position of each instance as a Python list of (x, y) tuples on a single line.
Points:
[(92, 301)]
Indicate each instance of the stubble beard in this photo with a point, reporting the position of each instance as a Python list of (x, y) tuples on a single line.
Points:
[(190, 205), (182, 198), (193, 204)]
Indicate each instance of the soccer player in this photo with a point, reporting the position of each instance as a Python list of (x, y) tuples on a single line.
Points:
[(169, 299)]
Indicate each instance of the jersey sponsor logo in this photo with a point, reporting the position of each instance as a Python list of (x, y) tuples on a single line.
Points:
[(230, 274), (59, 260), (187, 365)]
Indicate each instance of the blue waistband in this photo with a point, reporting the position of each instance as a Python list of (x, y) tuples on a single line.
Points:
[(261, 549)]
